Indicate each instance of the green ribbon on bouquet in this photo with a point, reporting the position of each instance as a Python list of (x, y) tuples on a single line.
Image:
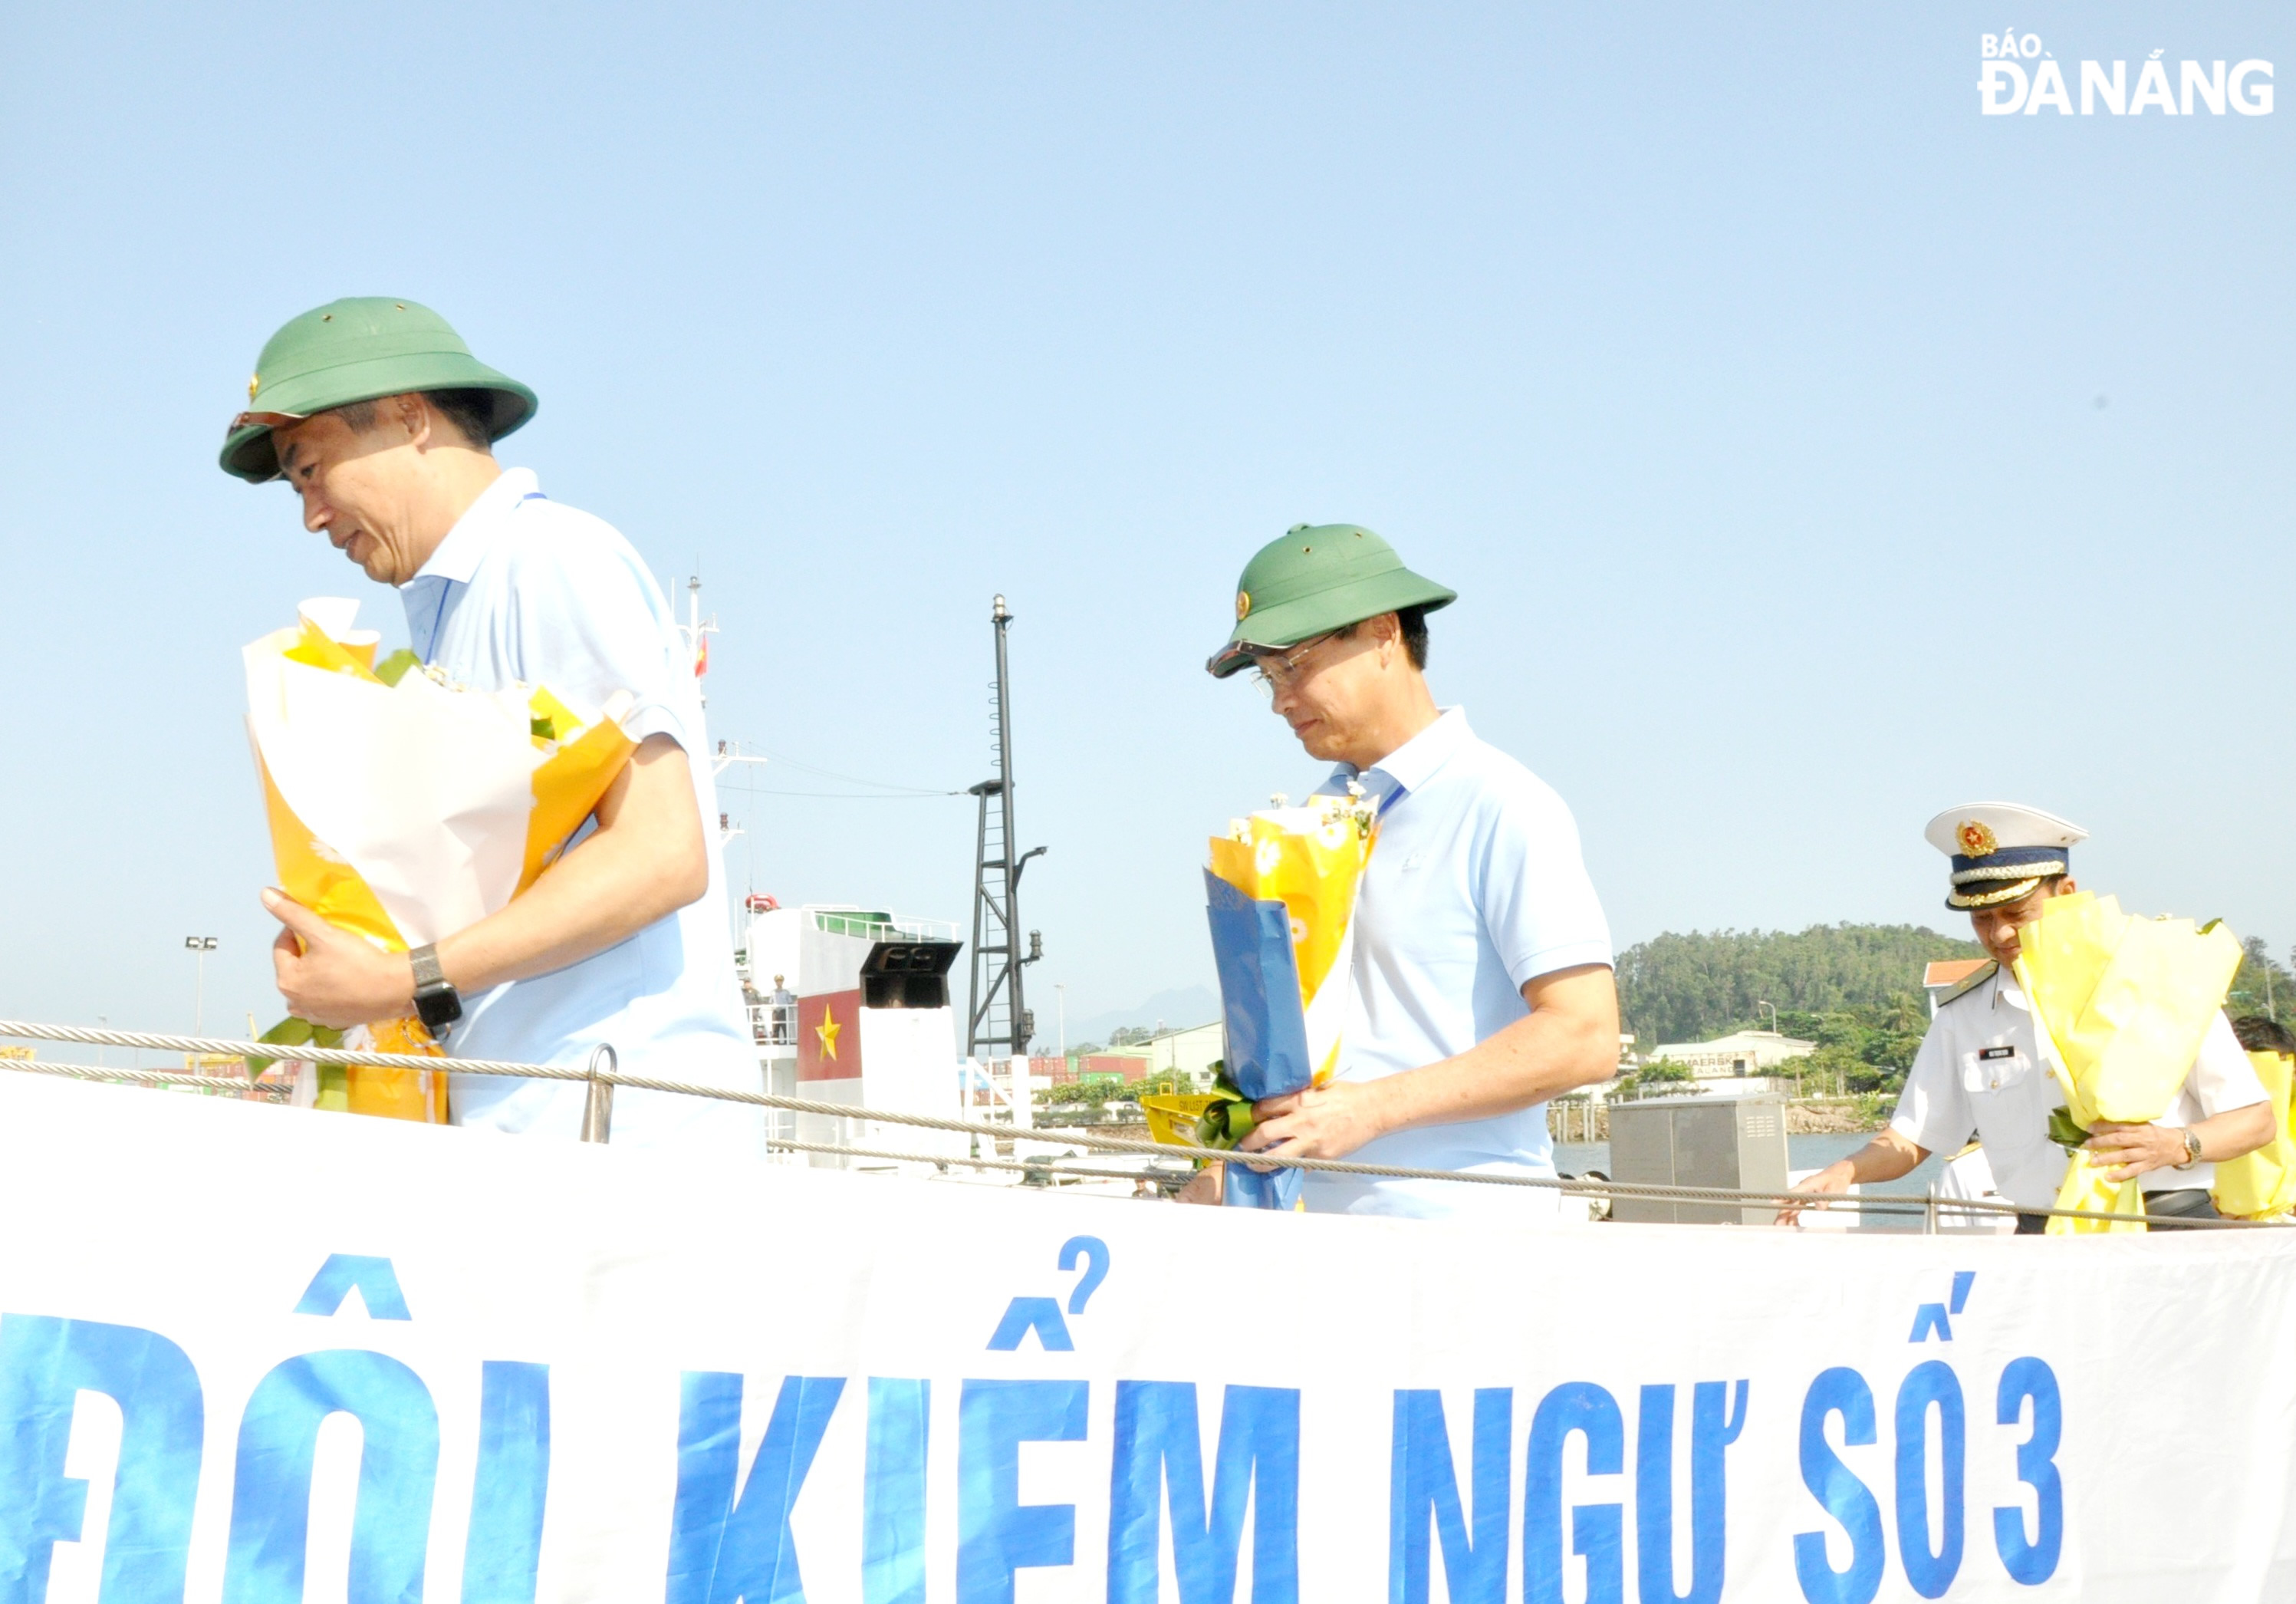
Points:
[(2064, 1130), (1228, 1121), (334, 1083)]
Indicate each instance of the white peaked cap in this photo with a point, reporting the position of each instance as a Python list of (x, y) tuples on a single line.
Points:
[(2000, 851), (2007, 824)]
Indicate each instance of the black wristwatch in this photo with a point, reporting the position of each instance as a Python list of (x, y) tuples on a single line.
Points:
[(436, 1000)]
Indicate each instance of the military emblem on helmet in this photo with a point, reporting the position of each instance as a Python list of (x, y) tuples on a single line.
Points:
[(1242, 605), (1977, 840)]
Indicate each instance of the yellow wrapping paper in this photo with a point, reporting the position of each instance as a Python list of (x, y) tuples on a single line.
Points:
[(2124, 1002), (2262, 1185), (439, 804), (1310, 859)]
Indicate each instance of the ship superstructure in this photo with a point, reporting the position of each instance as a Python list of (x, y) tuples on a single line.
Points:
[(851, 1004)]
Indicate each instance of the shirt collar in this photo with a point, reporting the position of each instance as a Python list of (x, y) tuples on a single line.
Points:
[(2005, 989), (458, 556), (1414, 764)]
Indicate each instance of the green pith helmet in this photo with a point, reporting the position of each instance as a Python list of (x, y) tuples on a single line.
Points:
[(1318, 578), (358, 349)]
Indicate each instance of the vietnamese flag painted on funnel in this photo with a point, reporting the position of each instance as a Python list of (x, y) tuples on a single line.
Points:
[(829, 1036)]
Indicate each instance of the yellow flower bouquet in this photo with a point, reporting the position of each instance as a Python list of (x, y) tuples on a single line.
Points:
[(404, 809), (1281, 889), (2262, 1185), (2123, 1003)]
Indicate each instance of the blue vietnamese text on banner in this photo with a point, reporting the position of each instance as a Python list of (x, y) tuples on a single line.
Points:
[(616, 1378)]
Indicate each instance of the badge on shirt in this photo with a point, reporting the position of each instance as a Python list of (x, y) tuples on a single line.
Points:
[(1998, 1052)]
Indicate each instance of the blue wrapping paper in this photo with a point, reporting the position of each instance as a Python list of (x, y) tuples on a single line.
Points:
[(1267, 1031)]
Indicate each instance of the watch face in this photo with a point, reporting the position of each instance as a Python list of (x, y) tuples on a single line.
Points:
[(438, 1006)]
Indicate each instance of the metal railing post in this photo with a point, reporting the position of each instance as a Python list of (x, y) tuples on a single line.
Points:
[(598, 1110)]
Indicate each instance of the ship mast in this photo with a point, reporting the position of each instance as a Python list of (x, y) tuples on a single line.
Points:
[(998, 1017), (697, 632)]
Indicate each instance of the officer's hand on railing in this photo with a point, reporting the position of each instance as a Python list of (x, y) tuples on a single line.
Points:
[(1836, 1178)]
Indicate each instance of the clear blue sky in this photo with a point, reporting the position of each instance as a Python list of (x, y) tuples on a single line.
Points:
[(1809, 451)]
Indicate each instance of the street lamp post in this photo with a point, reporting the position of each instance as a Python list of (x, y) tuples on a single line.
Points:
[(1773, 1008), (200, 945)]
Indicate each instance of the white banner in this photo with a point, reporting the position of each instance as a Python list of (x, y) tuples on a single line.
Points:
[(263, 1354)]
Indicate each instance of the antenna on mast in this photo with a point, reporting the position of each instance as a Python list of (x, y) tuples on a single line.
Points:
[(998, 1017), (697, 632)]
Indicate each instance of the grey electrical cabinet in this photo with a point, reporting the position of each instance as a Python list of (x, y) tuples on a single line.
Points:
[(1698, 1141)]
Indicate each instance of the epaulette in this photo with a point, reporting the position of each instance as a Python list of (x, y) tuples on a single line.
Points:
[(1970, 982)]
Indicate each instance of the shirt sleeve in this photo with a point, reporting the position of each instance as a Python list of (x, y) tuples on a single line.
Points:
[(1933, 1111), (2222, 1077), (1536, 900), (590, 622)]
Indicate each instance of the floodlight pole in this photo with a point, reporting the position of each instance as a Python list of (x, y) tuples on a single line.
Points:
[(200, 946)]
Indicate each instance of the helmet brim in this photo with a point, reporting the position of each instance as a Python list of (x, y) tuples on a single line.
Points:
[(1273, 628), (248, 451)]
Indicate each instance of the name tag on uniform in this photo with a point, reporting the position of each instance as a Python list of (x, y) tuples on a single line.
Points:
[(1991, 1068)]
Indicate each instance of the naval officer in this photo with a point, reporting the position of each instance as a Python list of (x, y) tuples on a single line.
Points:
[(1981, 1069), (378, 417), (1481, 981)]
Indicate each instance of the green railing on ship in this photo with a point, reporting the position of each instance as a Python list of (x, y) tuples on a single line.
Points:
[(869, 926)]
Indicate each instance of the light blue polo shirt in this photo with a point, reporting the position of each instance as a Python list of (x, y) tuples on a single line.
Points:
[(1475, 887), (524, 590)]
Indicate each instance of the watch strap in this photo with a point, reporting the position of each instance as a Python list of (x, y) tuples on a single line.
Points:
[(436, 1003)]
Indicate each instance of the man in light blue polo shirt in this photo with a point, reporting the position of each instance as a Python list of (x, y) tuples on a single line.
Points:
[(1482, 983), (376, 414)]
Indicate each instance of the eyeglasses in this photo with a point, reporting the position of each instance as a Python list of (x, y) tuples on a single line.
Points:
[(1276, 672)]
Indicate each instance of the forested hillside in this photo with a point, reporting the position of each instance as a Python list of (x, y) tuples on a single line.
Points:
[(1691, 988)]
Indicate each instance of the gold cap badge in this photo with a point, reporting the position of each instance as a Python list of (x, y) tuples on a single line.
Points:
[(254, 384), (1242, 605), (1977, 841)]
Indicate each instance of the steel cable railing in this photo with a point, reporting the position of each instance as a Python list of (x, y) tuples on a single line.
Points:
[(1931, 1208)]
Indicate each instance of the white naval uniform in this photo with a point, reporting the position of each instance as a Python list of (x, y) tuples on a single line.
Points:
[(1981, 1069)]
